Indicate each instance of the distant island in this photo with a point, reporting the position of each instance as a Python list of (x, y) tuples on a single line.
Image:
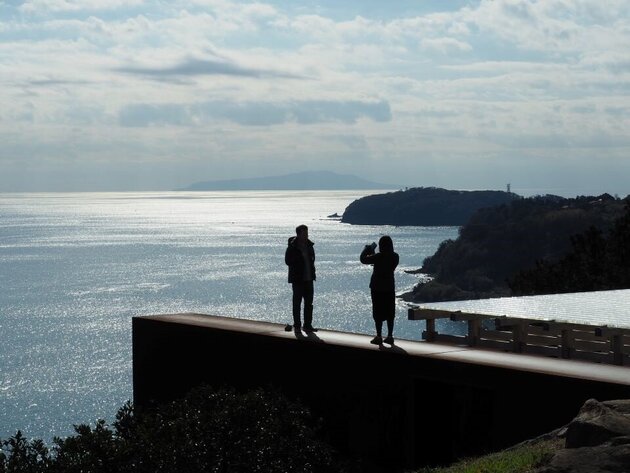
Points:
[(308, 180), (423, 206)]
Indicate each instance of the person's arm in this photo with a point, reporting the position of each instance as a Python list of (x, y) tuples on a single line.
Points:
[(367, 255), (289, 255)]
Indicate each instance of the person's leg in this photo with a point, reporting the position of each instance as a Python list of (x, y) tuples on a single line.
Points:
[(378, 322), (389, 311), (379, 327), (308, 304), (390, 327), (298, 294)]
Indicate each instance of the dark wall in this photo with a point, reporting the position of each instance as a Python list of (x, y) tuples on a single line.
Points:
[(385, 406)]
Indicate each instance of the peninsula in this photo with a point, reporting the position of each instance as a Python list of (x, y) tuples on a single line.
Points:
[(423, 206)]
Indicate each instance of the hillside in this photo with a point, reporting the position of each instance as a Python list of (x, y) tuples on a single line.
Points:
[(308, 180), (422, 206), (499, 242), (598, 260)]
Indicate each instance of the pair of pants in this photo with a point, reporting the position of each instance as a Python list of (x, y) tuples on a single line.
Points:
[(383, 305), (303, 290)]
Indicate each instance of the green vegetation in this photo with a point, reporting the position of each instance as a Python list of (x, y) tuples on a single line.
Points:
[(597, 261), (220, 431), (498, 242), (207, 431), (520, 459), (422, 206)]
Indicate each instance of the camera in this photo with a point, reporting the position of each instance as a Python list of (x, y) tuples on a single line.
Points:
[(372, 246)]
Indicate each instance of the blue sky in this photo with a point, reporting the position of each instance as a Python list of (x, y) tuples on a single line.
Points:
[(155, 95)]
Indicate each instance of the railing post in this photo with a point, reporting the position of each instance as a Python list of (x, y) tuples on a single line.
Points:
[(567, 343), (474, 329), (429, 334), (518, 339), (616, 346)]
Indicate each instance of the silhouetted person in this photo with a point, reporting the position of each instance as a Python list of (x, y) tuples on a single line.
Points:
[(382, 286), (300, 257)]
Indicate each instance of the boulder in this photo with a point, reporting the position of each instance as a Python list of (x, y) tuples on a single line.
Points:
[(611, 457), (598, 422), (597, 440)]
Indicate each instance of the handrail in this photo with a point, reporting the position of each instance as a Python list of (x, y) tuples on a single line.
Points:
[(598, 343)]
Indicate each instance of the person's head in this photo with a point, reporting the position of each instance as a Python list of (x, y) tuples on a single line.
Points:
[(385, 244), (301, 231)]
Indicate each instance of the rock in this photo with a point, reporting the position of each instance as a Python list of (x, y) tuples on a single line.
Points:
[(598, 422), (611, 457), (597, 440)]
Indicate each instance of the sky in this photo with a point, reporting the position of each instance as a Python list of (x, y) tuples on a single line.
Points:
[(125, 95)]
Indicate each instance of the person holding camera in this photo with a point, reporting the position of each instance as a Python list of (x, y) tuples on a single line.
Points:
[(382, 286), (300, 258)]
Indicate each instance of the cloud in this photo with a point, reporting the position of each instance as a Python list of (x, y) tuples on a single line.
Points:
[(445, 45), (43, 6), (254, 80), (142, 115), (551, 27), (254, 113), (54, 82), (203, 67)]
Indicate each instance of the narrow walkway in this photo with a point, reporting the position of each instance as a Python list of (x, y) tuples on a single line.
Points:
[(484, 357)]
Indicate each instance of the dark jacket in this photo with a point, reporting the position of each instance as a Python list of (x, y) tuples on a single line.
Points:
[(384, 265), (294, 259)]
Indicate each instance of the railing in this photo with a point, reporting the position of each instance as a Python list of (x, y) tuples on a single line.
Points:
[(601, 344)]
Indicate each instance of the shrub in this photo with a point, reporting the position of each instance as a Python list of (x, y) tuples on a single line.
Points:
[(210, 430)]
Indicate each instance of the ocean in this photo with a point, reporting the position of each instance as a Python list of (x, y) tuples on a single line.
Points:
[(76, 267)]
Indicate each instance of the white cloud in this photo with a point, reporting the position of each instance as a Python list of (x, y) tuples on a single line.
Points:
[(44, 6), (445, 45), (497, 78)]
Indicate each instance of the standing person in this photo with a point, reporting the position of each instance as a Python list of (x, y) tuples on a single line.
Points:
[(300, 257), (382, 286)]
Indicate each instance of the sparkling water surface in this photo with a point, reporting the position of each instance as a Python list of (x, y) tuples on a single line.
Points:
[(75, 268)]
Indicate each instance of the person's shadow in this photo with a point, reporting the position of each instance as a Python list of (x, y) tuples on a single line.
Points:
[(392, 348), (312, 336)]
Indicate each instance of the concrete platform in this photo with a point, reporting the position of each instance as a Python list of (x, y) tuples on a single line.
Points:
[(403, 406), (462, 354)]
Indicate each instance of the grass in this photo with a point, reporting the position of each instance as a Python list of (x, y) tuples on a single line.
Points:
[(521, 459)]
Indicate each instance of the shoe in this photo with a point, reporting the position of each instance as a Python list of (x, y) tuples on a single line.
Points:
[(297, 329), (377, 340), (389, 340), (309, 328)]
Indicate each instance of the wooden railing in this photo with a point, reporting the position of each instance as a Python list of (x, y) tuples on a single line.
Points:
[(601, 344)]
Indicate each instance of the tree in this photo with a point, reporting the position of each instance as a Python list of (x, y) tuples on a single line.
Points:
[(597, 261), (210, 430)]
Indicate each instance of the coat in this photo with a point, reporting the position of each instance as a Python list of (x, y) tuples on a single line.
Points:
[(384, 265), (294, 260)]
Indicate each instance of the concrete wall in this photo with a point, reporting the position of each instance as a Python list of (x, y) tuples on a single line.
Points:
[(384, 405)]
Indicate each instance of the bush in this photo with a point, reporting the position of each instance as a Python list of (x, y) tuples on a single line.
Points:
[(207, 431), (19, 455)]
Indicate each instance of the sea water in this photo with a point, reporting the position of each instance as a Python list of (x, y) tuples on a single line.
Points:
[(75, 268)]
